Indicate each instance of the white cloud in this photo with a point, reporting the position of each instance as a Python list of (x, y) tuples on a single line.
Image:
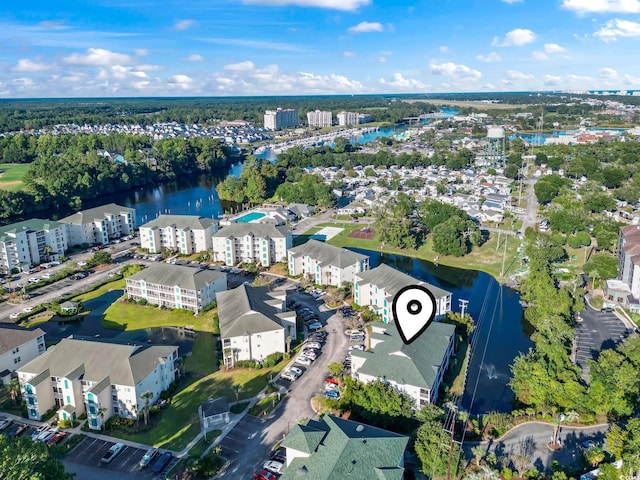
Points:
[(618, 28), (194, 57), (443, 49), (27, 65), (367, 27), (254, 44), (180, 81), (540, 55), (141, 52), (240, 67), (512, 1), (553, 48), (602, 6), (147, 67), (607, 72), (489, 58), (346, 5), (120, 72), (349, 54), (515, 38), (97, 57), (552, 80), (455, 70), (405, 84), (183, 24), (516, 75)]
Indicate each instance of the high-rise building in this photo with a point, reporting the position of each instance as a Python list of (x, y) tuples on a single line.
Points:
[(281, 118), (29, 243), (353, 118), (318, 118)]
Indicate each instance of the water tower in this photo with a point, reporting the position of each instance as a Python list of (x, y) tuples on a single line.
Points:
[(494, 149)]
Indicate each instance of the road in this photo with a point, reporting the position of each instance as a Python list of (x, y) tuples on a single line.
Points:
[(530, 218)]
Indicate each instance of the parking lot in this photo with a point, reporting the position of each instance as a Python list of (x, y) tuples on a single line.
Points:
[(244, 432)]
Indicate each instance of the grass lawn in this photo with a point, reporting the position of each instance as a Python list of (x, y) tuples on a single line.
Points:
[(202, 360), (11, 175), (115, 285), (265, 406), (486, 258)]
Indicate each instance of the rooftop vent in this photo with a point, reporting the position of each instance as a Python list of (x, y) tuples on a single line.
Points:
[(360, 428)]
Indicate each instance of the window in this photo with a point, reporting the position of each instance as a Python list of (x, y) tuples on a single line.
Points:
[(68, 400), (66, 383)]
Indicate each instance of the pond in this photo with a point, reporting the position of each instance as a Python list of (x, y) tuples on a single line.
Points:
[(501, 331)]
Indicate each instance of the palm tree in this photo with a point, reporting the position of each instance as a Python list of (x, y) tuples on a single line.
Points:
[(101, 411), (478, 452), (135, 412), (569, 417), (289, 341), (485, 473), (228, 352), (594, 455), (14, 390), (146, 396), (179, 364), (236, 389)]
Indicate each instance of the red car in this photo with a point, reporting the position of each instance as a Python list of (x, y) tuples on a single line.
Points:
[(264, 475), (332, 380), (56, 438)]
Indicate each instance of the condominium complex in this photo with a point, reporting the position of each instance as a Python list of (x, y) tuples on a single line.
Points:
[(99, 225), (186, 234), (352, 118), (29, 243), (97, 378), (318, 118), (176, 286), (18, 346), (261, 243), (281, 118)]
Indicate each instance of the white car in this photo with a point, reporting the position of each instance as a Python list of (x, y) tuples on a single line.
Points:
[(313, 345), (4, 423), (304, 360), (356, 347), (314, 326), (310, 354), (47, 276), (297, 371), (273, 466), (112, 452), (14, 315), (81, 264), (330, 386), (292, 377), (27, 309)]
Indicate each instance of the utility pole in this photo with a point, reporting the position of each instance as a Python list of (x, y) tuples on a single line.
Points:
[(463, 306), (504, 256)]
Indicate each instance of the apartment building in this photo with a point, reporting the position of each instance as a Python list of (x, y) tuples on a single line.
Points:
[(18, 347), (281, 118), (97, 378), (377, 287), (326, 264), (31, 242), (254, 323), (186, 234), (261, 243), (352, 118), (416, 369), (176, 286), (99, 225), (319, 118)]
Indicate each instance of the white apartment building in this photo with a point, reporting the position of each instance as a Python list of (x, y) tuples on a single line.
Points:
[(261, 243), (176, 286), (99, 225), (416, 369), (84, 376), (254, 323), (377, 287), (31, 242), (18, 347), (186, 234), (352, 118), (326, 264), (281, 118), (319, 118)]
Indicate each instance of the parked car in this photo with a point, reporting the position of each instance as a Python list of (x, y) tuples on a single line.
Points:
[(273, 466), (161, 463), (264, 475), (304, 360), (296, 370), (27, 309), (356, 337), (314, 326), (331, 380), (356, 347), (14, 315), (112, 452), (310, 354), (279, 455), (332, 394), (20, 430), (45, 436), (4, 423), (330, 386), (313, 345), (292, 377), (148, 457), (81, 264), (56, 438), (39, 431)]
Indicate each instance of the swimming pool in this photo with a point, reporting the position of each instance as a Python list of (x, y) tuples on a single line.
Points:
[(250, 217)]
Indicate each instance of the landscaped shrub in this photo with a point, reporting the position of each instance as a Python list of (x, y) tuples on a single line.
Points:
[(273, 359)]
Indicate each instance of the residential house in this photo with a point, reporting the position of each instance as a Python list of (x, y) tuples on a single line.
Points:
[(100, 225), (254, 323), (301, 210), (326, 264), (377, 287), (176, 286), (337, 448), (97, 378), (186, 234), (18, 346), (31, 242), (261, 243), (416, 369)]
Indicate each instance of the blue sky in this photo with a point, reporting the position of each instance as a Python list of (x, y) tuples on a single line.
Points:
[(77, 48)]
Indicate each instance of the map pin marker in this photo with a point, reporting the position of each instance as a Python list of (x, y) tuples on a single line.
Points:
[(414, 308)]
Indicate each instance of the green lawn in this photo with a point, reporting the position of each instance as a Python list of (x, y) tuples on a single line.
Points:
[(11, 175), (203, 355), (115, 285)]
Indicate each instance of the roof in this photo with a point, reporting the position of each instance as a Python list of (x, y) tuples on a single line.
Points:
[(260, 230), (247, 310), (188, 278), (33, 225), (341, 448), (414, 364), (180, 222), (392, 281), (97, 213), (214, 406), (631, 234), (326, 254), (12, 336), (124, 364)]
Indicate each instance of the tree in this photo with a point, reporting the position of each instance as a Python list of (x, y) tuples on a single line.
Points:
[(101, 412), (521, 462), (335, 368), (616, 439), (601, 266), (100, 258), (22, 458), (594, 455), (485, 473), (14, 390), (478, 452), (511, 171), (431, 447), (146, 396)]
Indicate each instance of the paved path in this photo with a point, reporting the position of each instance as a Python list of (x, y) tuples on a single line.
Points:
[(530, 218)]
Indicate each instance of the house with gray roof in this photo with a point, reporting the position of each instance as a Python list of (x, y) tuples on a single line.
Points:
[(100, 224), (31, 242), (100, 379), (254, 323), (18, 346), (415, 369), (326, 264), (186, 234), (176, 286), (260, 243), (336, 448), (377, 287)]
